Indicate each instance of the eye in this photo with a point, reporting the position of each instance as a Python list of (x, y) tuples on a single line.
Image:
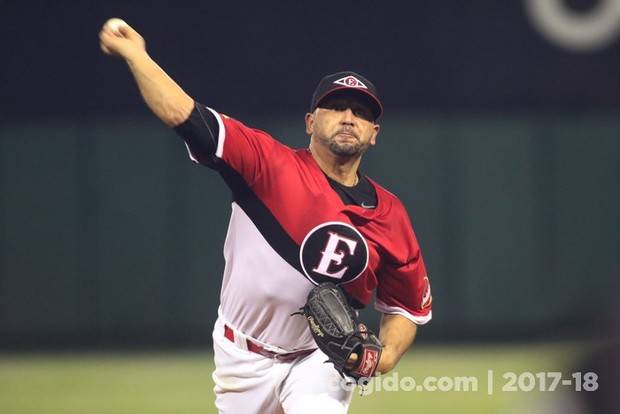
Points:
[(359, 111), (334, 105), (363, 113)]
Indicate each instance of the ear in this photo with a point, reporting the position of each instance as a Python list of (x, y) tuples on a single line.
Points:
[(373, 138), (309, 123)]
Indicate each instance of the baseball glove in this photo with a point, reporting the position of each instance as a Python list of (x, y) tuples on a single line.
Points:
[(338, 333)]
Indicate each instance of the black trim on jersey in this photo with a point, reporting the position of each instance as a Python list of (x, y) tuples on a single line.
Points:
[(200, 132), (263, 219), (269, 227), (362, 194)]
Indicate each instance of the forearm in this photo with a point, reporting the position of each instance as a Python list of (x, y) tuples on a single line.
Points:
[(162, 94), (396, 334)]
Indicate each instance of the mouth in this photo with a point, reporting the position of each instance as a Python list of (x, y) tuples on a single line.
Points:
[(347, 135)]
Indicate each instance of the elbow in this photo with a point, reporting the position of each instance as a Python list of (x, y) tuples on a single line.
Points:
[(174, 117), (174, 111)]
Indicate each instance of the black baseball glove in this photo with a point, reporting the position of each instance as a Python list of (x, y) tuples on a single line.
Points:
[(338, 333)]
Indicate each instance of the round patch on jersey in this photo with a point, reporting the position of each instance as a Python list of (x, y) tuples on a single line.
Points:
[(333, 252)]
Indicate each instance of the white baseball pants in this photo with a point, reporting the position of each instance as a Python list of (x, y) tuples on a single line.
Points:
[(248, 383)]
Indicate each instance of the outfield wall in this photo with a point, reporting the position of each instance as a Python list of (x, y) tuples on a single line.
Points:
[(110, 235)]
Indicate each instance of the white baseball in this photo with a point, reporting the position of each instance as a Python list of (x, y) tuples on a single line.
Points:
[(115, 23)]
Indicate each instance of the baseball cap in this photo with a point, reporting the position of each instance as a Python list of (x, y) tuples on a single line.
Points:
[(350, 82)]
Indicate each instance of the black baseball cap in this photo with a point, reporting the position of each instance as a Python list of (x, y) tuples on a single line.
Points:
[(348, 82)]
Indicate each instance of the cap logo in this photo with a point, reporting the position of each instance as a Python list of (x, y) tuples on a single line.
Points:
[(351, 82)]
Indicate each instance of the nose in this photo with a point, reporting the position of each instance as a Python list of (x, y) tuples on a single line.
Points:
[(347, 117)]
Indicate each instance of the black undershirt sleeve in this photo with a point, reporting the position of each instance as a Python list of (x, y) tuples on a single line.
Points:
[(200, 132)]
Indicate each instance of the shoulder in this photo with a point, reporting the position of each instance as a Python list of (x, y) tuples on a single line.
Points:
[(387, 197), (255, 136)]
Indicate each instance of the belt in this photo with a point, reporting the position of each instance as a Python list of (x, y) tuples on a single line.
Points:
[(259, 349)]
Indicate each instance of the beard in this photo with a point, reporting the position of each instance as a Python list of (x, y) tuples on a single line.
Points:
[(345, 149)]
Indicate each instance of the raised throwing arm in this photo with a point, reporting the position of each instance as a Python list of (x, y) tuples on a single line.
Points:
[(162, 94)]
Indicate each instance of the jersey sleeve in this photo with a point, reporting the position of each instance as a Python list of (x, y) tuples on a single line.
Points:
[(404, 287), (246, 150), (200, 133), (213, 138)]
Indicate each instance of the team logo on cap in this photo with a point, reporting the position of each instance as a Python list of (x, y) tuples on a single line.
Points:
[(333, 252), (351, 82)]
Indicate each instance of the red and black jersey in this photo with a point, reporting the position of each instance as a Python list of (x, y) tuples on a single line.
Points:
[(289, 229)]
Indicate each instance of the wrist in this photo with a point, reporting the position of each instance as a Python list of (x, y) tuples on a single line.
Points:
[(134, 56), (387, 362)]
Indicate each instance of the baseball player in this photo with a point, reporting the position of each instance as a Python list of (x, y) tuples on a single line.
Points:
[(300, 217)]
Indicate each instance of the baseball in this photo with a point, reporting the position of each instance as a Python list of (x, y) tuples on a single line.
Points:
[(114, 24)]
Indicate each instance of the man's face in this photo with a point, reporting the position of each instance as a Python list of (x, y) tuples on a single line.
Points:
[(343, 124)]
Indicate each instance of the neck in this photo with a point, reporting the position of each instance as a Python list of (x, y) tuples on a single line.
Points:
[(340, 169)]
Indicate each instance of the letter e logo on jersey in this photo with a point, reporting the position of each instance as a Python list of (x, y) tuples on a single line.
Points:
[(333, 252)]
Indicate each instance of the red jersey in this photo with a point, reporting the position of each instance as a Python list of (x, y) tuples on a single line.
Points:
[(290, 230)]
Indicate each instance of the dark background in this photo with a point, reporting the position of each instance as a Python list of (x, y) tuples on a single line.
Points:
[(503, 144)]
